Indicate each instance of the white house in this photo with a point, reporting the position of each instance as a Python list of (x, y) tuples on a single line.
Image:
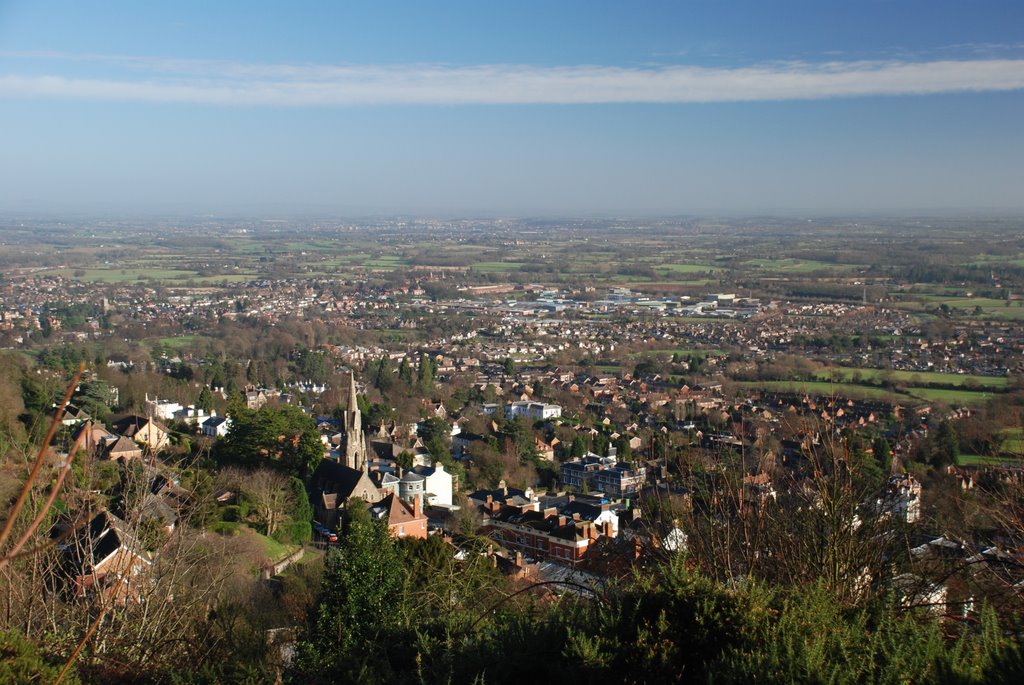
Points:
[(437, 484), (216, 426)]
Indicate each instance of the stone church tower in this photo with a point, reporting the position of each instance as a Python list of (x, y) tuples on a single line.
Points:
[(355, 440)]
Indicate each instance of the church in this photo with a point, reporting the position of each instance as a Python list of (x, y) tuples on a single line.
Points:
[(334, 483)]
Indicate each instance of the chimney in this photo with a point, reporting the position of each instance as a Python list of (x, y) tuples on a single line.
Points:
[(561, 521), (550, 511), (519, 559), (490, 500), (607, 529), (417, 506)]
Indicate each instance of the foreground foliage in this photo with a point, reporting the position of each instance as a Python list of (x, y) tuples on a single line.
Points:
[(671, 625)]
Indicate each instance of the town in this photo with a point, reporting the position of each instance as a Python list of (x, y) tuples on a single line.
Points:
[(566, 425)]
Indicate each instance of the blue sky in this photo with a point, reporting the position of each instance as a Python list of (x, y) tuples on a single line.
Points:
[(527, 108)]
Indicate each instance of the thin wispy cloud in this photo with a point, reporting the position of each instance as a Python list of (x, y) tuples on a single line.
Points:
[(224, 83)]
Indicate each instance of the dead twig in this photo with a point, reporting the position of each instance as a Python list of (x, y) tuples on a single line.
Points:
[(34, 474)]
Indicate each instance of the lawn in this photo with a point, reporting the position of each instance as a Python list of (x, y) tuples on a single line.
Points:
[(274, 549), (178, 342), (606, 368)]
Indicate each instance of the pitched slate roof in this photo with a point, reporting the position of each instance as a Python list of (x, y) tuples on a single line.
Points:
[(334, 477), (105, 535), (132, 424)]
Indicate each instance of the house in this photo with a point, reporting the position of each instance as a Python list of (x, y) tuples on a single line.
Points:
[(902, 498), (543, 534), (545, 450), (104, 557), (664, 535), (123, 448), (463, 442), (438, 484), (94, 438), (916, 591), (142, 430), (404, 519), (216, 426), (620, 479), (435, 409), (255, 399), (74, 415), (506, 495), (597, 511), (579, 473)]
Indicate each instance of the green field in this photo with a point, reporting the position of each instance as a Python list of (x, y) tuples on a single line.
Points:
[(796, 266), (822, 389), (951, 396), (607, 368), (853, 391), (979, 460), (990, 260), (916, 378), (127, 275), (685, 268), (683, 351), (991, 308), (497, 267), (179, 342), (1013, 441)]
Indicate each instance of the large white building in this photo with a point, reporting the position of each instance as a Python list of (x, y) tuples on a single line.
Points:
[(536, 411)]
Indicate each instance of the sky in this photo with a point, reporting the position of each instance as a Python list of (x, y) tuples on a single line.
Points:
[(518, 108)]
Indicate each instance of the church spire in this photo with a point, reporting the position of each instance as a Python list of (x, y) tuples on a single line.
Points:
[(353, 403), (355, 443)]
